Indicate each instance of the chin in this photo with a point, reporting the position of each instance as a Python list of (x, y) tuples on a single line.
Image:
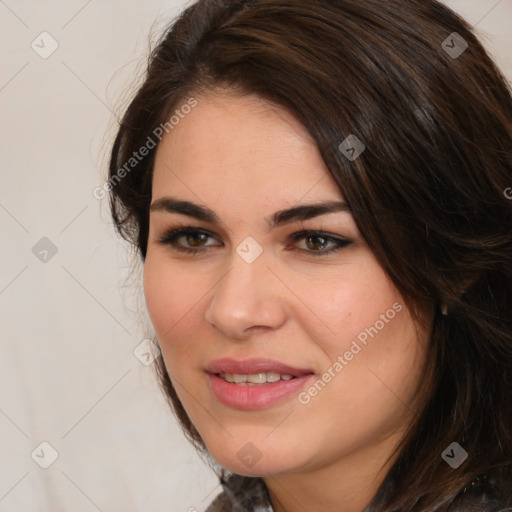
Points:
[(249, 461)]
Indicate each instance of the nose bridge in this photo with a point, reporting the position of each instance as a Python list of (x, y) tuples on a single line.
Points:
[(246, 277), (246, 296)]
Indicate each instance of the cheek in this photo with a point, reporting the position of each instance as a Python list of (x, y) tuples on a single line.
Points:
[(360, 317), (346, 303), (171, 296), (371, 364)]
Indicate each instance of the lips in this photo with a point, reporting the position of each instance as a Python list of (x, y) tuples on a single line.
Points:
[(255, 365), (255, 396)]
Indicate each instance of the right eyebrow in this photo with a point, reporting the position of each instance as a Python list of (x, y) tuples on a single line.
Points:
[(171, 205)]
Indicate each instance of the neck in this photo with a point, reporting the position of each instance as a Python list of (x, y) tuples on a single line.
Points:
[(348, 484)]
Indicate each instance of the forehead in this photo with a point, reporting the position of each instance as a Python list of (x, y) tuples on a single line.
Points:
[(240, 149)]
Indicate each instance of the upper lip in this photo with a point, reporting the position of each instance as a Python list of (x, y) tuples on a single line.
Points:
[(255, 365)]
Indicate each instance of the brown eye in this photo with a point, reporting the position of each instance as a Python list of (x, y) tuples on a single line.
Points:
[(190, 239), (316, 242), (196, 239)]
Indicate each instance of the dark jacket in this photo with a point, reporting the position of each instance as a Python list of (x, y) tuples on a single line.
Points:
[(242, 494), (249, 494)]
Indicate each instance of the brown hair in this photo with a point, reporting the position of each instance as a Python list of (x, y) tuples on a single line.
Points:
[(428, 193)]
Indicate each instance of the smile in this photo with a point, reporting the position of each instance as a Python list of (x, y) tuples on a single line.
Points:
[(255, 383), (255, 379)]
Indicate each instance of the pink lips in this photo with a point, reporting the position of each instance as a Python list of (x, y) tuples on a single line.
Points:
[(256, 365), (258, 396)]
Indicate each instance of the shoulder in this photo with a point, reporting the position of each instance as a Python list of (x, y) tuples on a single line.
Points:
[(241, 493), (486, 494)]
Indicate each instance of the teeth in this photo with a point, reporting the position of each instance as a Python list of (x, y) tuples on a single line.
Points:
[(273, 377), (255, 378)]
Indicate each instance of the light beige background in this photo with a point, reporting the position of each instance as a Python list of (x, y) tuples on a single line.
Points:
[(69, 325)]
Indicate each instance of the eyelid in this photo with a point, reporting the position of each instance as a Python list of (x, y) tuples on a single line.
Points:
[(305, 232)]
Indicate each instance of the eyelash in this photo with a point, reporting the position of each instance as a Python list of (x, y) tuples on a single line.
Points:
[(171, 236)]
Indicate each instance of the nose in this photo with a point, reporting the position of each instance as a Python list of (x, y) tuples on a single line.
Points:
[(246, 300)]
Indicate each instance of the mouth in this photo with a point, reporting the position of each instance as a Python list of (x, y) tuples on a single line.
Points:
[(255, 383), (254, 379)]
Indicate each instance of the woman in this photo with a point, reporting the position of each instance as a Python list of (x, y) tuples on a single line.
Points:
[(318, 193)]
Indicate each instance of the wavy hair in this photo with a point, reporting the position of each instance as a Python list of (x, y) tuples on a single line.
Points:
[(430, 194)]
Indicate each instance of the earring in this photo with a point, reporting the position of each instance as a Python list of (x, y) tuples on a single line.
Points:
[(444, 309)]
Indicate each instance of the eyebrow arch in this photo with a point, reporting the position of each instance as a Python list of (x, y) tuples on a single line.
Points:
[(296, 213)]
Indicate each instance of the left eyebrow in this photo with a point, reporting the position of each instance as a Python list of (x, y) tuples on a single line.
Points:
[(297, 213), (306, 211)]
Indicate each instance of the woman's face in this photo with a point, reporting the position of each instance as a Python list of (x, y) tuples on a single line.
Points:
[(279, 290)]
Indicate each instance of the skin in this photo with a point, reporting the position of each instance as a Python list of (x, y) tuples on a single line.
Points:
[(246, 159)]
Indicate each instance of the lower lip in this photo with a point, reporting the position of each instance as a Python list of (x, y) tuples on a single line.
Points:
[(258, 396)]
